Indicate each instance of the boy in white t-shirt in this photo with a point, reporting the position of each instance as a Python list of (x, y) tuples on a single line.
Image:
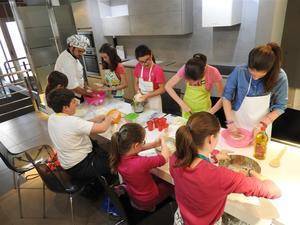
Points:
[(70, 136)]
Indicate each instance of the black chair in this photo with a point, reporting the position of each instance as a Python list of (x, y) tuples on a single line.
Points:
[(169, 106), (59, 181), (19, 164), (128, 214)]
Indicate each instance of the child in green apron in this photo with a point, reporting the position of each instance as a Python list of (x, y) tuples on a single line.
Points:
[(200, 79), (114, 71)]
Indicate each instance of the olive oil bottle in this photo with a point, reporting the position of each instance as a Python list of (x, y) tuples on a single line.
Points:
[(260, 145)]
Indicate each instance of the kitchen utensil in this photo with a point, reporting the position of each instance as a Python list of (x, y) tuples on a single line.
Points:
[(96, 99), (240, 162), (116, 115), (242, 140), (138, 107), (131, 117), (276, 161)]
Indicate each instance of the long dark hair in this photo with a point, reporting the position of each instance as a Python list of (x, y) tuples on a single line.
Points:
[(122, 141), (266, 58), (192, 135), (194, 67), (113, 57), (143, 50), (56, 78)]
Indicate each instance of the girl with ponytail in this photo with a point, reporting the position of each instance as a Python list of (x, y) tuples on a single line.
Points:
[(201, 187), (145, 192), (257, 93)]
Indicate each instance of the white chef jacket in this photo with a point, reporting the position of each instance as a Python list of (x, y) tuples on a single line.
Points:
[(72, 68)]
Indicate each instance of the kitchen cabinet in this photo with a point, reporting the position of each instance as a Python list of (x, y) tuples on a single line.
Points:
[(168, 17), (81, 15), (220, 13), (144, 17), (116, 26)]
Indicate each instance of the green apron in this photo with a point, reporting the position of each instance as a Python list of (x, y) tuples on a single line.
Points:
[(112, 79), (197, 98)]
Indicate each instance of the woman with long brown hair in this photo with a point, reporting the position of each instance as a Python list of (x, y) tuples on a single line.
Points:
[(114, 71), (257, 93), (201, 188)]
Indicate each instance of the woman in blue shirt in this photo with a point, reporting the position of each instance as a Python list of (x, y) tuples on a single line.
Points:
[(256, 94)]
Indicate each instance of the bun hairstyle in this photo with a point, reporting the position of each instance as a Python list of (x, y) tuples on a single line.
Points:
[(113, 57), (191, 137), (143, 50), (266, 58), (129, 134), (194, 67)]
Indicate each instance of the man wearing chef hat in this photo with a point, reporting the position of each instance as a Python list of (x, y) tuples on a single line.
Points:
[(69, 64)]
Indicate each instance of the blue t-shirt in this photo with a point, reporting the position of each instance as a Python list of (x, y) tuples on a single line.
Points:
[(237, 86)]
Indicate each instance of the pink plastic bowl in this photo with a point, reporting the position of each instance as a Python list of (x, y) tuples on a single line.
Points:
[(97, 99), (238, 143)]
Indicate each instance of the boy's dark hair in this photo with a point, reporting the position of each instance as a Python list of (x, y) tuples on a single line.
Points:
[(58, 98)]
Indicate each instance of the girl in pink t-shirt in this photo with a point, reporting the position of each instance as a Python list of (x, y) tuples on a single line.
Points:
[(149, 78), (144, 191), (114, 72), (200, 79), (201, 188)]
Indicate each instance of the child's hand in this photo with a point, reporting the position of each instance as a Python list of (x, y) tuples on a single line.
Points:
[(109, 119), (165, 151), (222, 155)]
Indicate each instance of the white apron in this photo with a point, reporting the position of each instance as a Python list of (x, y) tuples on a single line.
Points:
[(252, 110), (153, 103)]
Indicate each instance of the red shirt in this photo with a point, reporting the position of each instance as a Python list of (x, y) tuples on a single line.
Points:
[(120, 70), (157, 74), (135, 171), (201, 192)]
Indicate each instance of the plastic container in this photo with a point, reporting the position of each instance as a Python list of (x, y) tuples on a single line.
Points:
[(96, 99), (131, 117), (150, 125), (238, 143)]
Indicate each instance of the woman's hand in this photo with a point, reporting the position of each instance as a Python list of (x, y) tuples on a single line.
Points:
[(233, 129), (222, 155), (185, 108), (143, 98)]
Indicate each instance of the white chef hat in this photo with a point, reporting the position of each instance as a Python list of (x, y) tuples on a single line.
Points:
[(78, 41)]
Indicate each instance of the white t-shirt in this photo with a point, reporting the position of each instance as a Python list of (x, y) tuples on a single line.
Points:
[(70, 136), (72, 68)]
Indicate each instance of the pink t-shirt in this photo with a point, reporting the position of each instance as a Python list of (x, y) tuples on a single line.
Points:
[(157, 74), (120, 70), (211, 75), (201, 192), (135, 171)]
